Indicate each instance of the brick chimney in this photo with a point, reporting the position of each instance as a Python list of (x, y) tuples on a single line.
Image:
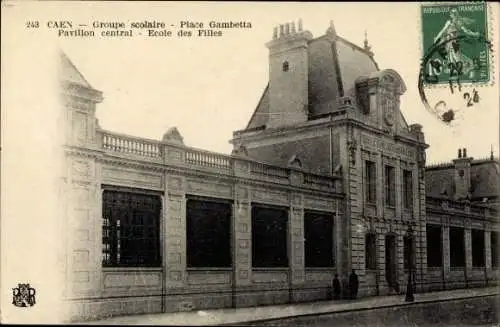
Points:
[(462, 175)]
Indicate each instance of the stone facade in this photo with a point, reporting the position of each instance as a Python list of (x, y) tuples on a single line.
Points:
[(309, 153)]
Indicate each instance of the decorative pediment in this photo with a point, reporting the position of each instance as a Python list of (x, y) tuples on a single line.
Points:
[(294, 162), (388, 85), (173, 136)]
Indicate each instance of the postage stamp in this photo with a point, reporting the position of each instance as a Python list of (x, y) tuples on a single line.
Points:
[(455, 43)]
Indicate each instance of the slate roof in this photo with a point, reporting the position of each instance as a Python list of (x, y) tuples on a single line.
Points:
[(334, 65), (484, 174)]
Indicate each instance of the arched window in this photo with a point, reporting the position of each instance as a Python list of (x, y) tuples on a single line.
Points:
[(285, 66)]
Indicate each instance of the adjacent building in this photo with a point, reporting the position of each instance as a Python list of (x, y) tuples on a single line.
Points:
[(326, 178)]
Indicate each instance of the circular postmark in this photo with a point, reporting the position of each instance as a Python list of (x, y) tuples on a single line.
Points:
[(444, 63)]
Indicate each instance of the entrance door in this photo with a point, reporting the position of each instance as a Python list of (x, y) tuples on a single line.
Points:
[(390, 259)]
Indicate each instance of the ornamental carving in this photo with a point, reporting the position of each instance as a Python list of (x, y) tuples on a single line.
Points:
[(389, 99)]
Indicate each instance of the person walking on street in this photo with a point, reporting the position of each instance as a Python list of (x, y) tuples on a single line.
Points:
[(353, 284), (336, 287)]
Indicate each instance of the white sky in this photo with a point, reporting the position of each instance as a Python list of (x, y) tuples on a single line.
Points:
[(209, 88)]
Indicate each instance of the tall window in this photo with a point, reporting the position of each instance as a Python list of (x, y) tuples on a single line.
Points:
[(286, 66), (390, 186), (457, 247), (407, 189), (269, 236), (371, 182), (494, 251), (406, 251), (208, 232), (434, 246), (131, 229), (371, 251), (477, 238), (318, 245)]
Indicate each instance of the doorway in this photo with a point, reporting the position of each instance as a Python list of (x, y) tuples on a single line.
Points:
[(390, 260)]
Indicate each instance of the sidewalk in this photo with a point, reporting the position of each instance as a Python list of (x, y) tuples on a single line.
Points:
[(241, 315)]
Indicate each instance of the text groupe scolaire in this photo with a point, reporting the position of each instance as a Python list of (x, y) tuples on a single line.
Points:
[(184, 28)]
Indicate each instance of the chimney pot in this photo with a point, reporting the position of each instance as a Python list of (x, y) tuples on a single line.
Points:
[(281, 30), (460, 153), (287, 28), (465, 153), (293, 27), (275, 33), (300, 25)]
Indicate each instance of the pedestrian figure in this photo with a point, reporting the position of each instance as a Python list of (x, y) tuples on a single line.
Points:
[(336, 287), (353, 284)]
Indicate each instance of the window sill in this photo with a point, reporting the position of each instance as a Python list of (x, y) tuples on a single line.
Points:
[(457, 268), (208, 269), (320, 268), (131, 269), (370, 271), (264, 269), (434, 268)]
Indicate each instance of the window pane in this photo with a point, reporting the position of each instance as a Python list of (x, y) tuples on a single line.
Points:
[(390, 186), (269, 236), (457, 247), (370, 182), (318, 246), (477, 238), (370, 251), (127, 239), (407, 189), (208, 233), (434, 246)]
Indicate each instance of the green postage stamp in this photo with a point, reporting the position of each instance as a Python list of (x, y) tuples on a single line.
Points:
[(455, 43)]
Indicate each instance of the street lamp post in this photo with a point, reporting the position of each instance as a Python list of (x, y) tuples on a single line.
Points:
[(409, 285)]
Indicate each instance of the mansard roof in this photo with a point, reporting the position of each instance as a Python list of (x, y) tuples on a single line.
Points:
[(484, 175), (334, 66)]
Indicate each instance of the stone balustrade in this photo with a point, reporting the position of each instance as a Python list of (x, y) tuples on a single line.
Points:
[(455, 206), (114, 142), (154, 151)]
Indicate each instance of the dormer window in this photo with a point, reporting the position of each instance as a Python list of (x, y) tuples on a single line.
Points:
[(285, 66)]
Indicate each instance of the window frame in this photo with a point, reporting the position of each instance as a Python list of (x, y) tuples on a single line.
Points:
[(478, 263), (431, 249), (389, 186), (225, 261), (408, 189), (128, 227), (260, 247), (309, 262), (453, 255), (370, 182), (371, 251)]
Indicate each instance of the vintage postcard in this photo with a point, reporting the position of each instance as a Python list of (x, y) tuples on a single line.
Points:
[(237, 163)]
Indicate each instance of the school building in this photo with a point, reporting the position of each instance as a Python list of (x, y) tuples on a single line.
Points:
[(326, 177)]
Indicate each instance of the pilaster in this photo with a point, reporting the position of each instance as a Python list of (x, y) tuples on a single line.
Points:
[(445, 236), (468, 247), (175, 231), (487, 251), (296, 242), (242, 236)]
